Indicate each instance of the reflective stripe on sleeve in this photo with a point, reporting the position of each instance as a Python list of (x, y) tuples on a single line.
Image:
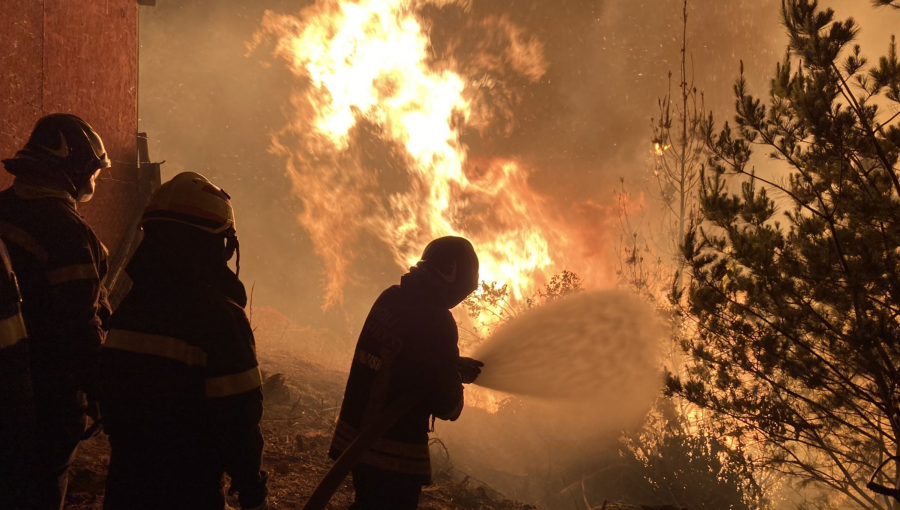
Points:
[(24, 240), (72, 273), (156, 345), (228, 385), (12, 330)]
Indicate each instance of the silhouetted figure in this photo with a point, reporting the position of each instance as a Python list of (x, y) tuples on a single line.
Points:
[(60, 265), (16, 398), (180, 382), (409, 341)]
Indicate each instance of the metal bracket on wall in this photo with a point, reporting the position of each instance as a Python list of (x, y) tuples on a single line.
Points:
[(117, 282), (148, 173)]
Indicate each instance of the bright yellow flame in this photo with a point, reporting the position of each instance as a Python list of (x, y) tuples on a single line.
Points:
[(366, 74), (660, 149)]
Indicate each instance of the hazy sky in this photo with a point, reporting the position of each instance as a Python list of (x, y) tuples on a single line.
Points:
[(210, 107)]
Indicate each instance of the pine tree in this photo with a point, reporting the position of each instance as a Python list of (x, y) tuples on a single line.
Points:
[(795, 283)]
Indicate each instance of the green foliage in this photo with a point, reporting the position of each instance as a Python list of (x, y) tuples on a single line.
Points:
[(795, 301), (679, 463)]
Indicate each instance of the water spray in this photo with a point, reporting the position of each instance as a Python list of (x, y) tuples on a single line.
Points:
[(600, 347)]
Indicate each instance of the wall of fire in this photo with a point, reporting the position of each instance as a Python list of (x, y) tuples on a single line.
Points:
[(80, 57)]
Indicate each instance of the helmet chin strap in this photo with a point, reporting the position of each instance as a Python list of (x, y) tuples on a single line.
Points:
[(77, 190)]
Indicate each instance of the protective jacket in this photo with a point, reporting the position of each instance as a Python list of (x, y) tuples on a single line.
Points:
[(60, 265), (181, 392), (16, 399), (409, 341)]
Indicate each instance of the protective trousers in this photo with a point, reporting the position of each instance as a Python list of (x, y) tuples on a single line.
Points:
[(377, 489), (60, 426)]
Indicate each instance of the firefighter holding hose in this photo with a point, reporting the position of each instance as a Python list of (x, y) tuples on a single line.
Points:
[(408, 346), (180, 380)]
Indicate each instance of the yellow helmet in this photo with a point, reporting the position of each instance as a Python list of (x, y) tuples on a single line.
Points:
[(191, 199)]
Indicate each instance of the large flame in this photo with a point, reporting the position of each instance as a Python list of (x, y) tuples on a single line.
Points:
[(373, 145)]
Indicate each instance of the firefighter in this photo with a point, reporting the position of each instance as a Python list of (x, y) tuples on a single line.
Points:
[(60, 265), (181, 395), (409, 341), (16, 404)]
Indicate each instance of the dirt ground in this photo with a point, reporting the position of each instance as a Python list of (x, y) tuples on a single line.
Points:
[(302, 401)]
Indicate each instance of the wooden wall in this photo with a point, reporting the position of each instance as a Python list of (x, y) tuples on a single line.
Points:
[(80, 57)]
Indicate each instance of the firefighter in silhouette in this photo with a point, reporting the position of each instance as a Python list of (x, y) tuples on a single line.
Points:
[(180, 383), (60, 265), (409, 341), (16, 400)]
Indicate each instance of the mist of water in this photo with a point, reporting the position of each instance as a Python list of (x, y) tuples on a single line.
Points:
[(574, 374), (600, 346)]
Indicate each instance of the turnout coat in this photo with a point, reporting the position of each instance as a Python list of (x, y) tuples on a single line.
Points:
[(181, 394), (409, 340), (60, 265)]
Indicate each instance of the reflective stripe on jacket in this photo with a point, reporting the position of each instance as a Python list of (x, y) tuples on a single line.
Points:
[(191, 355), (182, 398), (60, 265)]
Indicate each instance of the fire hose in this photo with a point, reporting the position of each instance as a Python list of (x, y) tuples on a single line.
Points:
[(363, 442)]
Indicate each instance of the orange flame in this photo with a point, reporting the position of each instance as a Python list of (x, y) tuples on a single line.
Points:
[(373, 144)]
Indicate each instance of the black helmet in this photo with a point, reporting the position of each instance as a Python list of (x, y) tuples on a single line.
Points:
[(453, 265), (64, 144)]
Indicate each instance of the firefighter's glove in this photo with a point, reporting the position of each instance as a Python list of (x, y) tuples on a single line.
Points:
[(254, 497), (469, 369)]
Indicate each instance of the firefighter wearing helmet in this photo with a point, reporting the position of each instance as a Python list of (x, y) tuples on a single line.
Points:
[(60, 265), (181, 388), (408, 342)]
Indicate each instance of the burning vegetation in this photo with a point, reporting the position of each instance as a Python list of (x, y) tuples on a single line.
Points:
[(374, 143)]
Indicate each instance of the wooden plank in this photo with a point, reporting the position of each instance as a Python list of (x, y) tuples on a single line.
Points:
[(90, 69), (21, 35)]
